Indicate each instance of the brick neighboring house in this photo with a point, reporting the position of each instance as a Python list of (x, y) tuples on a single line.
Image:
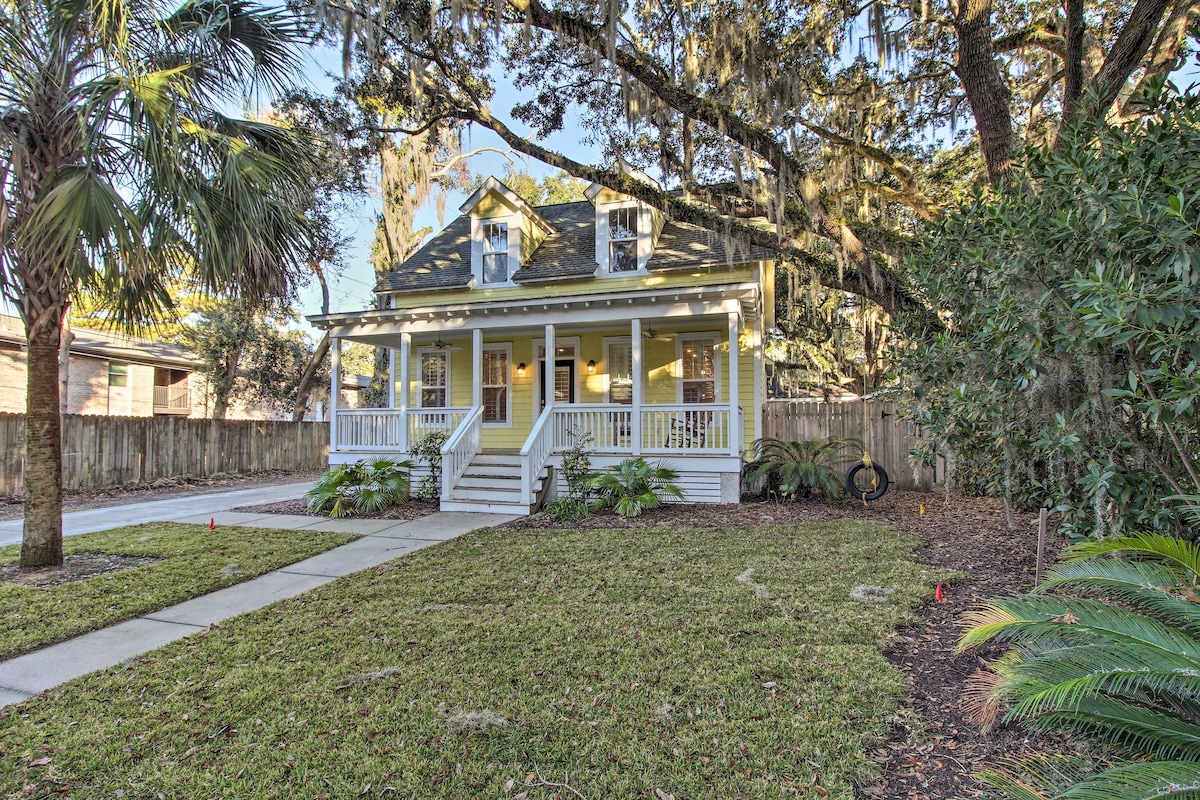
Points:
[(109, 374)]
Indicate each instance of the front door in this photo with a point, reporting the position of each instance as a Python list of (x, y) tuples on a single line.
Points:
[(564, 381)]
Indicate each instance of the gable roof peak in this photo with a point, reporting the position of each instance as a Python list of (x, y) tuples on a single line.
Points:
[(625, 168), (494, 186)]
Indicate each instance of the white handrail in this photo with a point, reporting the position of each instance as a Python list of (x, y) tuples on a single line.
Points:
[(536, 451), (462, 446)]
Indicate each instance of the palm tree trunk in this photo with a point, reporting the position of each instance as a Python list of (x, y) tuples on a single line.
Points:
[(42, 542)]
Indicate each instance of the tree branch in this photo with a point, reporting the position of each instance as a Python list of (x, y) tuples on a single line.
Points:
[(1126, 54)]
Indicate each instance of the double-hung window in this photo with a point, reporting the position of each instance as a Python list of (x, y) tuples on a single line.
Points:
[(495, 252), (435, 378), (623, 240), (496, 384), (698, 369)]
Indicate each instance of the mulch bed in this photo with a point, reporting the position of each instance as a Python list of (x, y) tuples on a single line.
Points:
[(933, 755), (413, 509), (74, 568)]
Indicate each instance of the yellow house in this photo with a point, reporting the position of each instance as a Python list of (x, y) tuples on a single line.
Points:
[(518, 330)]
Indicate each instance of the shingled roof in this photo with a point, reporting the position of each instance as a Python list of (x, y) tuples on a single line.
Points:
[(444, 263)]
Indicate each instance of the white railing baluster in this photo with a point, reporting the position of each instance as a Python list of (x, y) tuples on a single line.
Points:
[(462, 446)]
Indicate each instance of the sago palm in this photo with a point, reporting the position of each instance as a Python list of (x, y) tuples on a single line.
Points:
[(1117, 658), (796, 468), (635, 485), (119, 173)]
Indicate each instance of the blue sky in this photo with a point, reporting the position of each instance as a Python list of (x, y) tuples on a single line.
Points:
[(351, 290)]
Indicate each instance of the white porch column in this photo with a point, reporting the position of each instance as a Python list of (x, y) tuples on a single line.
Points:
[(548, 371), (391, 388), (735, 432), (335, 382), (477, 367), (401, 402), (636, 408)]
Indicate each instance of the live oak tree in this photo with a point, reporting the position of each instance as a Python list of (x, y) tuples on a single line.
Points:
[(119, 173), (805, 128)]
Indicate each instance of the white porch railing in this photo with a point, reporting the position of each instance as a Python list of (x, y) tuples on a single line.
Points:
[(369, 429), (684, 428), (390, 430), (536, 452), (423, 421), (462, 446), (608, 427)]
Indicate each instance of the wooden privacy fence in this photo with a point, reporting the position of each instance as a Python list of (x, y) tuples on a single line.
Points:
[(101, 452), (888, 438)]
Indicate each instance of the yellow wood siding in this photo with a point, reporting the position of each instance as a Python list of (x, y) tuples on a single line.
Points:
[(492, 204), (662, 374)]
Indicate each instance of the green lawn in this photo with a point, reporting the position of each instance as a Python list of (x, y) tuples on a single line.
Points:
[(624, 663), (193, 560)]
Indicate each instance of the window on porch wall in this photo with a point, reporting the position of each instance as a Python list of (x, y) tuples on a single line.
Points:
[(435, 379), (620, 373), (495, 384), (698, 372)]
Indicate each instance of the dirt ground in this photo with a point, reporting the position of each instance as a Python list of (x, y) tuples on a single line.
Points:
[(933, 755)]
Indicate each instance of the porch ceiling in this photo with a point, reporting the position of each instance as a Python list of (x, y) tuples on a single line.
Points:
[(567, 313)]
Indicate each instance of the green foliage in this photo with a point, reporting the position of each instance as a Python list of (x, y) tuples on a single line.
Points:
[(577, 472), (550, 190), (634, 486), (1108, 646), (251, 355), (364, 486), (429, 449), (794, 469), (1067, 373)]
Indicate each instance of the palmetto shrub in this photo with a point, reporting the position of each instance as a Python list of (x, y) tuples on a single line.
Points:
[(795, 469), (635, 485), (1107, 646), (364, 486)]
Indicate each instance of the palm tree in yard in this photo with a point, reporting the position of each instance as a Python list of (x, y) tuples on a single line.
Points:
[(119, 174)]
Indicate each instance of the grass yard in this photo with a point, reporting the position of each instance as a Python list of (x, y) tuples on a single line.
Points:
[(191, 560), (717, 663)]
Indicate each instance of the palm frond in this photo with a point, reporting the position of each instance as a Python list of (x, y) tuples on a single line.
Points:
[(1183, 554)]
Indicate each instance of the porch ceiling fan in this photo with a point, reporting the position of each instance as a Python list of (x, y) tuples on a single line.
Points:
[(440, 345), (651, 335)]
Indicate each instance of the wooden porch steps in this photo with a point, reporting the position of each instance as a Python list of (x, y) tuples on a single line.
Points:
[(492, 483)]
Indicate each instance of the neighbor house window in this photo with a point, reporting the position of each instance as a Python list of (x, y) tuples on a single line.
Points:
[(434, 388), (496, 384), (620, 371), (495, 252), (698, 369), (118, 373), (622, 240)]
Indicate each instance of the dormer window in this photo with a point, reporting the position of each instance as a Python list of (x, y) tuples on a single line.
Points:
[(495, 252), (623, 240)]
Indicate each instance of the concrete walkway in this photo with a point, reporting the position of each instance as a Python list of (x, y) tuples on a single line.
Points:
[(175, 508), (382, 540)]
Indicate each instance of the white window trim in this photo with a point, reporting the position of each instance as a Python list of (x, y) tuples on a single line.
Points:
[(613, 341), (420, 398), (644, 239), (506, 348), (712, 337), (513, 221)]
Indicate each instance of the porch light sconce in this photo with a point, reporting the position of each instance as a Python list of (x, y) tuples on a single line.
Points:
[(521, 370), (591, 366)]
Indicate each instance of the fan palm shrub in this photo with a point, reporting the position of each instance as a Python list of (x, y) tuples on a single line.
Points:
[(795, 469), (1107, 646), (120, 172), (361, 487), (634, 486)]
